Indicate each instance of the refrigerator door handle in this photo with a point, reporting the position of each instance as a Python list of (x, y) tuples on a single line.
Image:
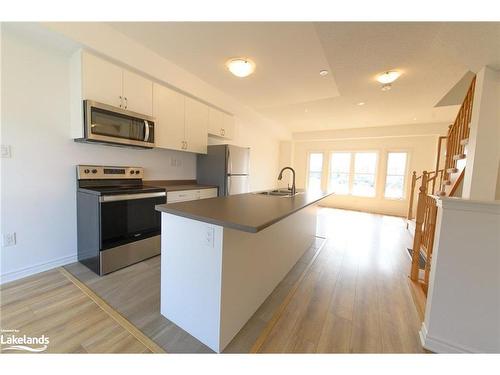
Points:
[(229, 162), (228, 185)]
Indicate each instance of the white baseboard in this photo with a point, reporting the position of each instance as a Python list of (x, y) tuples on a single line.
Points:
[(439, 346), (40, 267)]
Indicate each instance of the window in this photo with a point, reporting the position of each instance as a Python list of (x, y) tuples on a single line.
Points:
[(340, 170), (315, 171), (365, 165), (396, 172)]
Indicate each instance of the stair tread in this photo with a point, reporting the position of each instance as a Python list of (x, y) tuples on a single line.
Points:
[(459, 156)]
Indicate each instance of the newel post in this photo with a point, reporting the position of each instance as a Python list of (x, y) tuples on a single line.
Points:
[(412, 195), (419, 219)]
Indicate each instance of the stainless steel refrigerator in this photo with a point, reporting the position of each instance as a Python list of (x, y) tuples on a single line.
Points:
[(226, 166)]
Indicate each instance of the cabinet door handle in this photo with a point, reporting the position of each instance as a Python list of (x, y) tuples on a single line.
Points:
[(121, 101), (126, 102)]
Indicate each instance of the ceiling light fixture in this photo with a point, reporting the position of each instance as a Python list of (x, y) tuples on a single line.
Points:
[(240, 67), (323, 73), (361, 103), (388, 77)]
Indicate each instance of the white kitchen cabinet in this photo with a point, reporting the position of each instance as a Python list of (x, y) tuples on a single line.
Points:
[(196, 120), (190, 195), (220, 124), (181, 122), (137, 93), (105, 82), (168, 110), (101, 80)]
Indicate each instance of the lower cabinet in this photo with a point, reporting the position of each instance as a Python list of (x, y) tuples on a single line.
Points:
[(191, 195)]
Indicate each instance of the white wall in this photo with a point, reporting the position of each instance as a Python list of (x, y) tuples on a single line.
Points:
[(38, 182), (422, 156)]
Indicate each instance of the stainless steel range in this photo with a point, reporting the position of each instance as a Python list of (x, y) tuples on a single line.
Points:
[(117, 221)]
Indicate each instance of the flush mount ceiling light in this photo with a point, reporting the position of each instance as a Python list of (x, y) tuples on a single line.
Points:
[(240, 67), (388, 77), (361, 103), (323, 73)]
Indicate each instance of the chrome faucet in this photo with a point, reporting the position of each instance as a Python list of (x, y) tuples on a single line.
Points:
[(280, 176)]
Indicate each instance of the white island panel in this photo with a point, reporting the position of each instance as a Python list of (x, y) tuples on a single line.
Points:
[(191, 262), (213, 278), (253, 264)]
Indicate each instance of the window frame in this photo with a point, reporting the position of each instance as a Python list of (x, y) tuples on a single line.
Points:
[(405, 176), (308, 163), (351, 166), (375, 173)]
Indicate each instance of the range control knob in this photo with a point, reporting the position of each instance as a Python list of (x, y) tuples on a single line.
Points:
[(86, 171), (137, 172), (132, 172), (94, 170)]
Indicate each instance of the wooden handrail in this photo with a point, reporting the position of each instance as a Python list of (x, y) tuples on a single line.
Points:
[(457, 133), (426, 214)]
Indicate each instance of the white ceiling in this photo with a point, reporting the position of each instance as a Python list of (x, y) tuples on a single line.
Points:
[(287, 87)]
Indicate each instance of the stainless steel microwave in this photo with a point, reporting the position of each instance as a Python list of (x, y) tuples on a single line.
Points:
[(107, 124)]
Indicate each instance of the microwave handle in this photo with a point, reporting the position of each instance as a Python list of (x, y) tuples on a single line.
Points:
[(146, 135)]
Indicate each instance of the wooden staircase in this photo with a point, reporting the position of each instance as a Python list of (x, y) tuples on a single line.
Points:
[(444, 181)]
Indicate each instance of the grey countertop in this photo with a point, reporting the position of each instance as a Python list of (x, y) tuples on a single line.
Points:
[(247, 212)]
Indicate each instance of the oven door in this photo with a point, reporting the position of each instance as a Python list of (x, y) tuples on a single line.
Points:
[(104, 123), (127, 218)]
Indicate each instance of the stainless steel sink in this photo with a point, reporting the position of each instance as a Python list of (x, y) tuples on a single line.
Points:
[(278, 193)]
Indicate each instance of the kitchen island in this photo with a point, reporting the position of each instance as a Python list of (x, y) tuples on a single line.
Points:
[(222, 257)]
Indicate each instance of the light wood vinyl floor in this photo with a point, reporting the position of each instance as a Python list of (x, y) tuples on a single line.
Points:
[(352, 298), (50, 304), (355, 297)]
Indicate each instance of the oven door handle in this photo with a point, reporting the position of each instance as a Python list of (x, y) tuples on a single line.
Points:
[(128, 197)]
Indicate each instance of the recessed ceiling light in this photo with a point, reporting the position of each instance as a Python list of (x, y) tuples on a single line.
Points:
[(388, 77), (240, 67), (306, 110), (361, 103), (323, 73)]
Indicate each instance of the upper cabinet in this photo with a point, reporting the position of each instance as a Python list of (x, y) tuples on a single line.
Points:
[(96, 79), (196, 126), (110, 84), (137, 93), (181, 122), (168, 110), (220, 124), (101, 81)]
